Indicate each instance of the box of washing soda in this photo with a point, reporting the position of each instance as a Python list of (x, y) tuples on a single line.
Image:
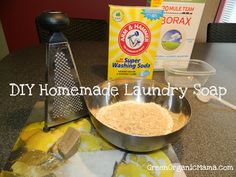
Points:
[(180, 24), (133, 39)]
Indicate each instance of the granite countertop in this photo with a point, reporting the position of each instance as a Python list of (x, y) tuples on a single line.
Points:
[(209, 139)]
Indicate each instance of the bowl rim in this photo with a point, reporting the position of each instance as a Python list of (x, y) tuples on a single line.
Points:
[(144, 136), (175, 70)]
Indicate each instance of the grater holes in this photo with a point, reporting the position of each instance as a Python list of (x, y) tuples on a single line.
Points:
[(64, 105)]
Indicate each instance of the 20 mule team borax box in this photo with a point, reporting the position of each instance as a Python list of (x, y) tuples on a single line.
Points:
[(133, 40), (180, 24)]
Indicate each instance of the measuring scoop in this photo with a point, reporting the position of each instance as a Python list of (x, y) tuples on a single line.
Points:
[(207, 98)]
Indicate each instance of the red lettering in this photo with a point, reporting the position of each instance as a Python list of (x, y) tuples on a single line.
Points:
[(177, 20), (188, 21), (182, 21)]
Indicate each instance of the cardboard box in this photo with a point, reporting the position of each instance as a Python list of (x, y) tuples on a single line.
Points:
[(133, 40), (179, 28)]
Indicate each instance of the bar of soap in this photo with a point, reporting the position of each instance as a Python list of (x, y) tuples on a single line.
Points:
[(68, 144)]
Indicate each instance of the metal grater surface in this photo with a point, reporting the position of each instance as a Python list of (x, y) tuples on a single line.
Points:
[(62, 73), (64, 105)]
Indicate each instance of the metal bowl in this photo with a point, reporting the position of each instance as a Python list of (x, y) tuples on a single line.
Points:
[(130, 142)]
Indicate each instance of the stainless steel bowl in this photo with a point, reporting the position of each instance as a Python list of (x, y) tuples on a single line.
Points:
[(133, 142)]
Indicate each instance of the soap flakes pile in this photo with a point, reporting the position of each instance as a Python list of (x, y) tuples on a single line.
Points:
[(135, 118)]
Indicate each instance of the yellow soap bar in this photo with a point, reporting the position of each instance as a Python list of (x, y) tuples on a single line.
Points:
[(133, 40)]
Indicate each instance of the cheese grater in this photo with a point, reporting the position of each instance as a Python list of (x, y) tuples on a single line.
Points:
[(61, 74)]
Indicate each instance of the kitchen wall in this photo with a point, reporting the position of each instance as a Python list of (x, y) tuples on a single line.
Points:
[(208, 16), (3, 44), (18, 17)]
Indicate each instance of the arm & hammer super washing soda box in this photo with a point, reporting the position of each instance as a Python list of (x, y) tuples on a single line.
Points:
[(133, 40)]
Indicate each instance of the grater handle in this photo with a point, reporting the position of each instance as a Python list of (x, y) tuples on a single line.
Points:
[(53, 21)]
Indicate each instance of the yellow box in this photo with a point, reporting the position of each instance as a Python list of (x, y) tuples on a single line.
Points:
[(156, 3), (133, 40)]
